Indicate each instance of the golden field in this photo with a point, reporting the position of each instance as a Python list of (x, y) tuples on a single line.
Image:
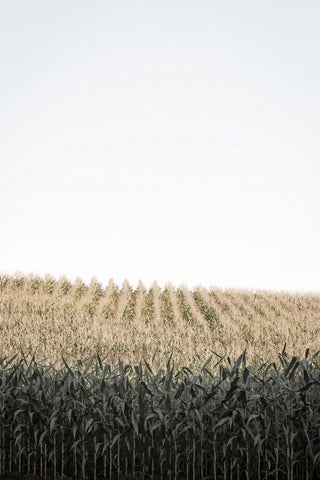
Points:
[(51, 318)]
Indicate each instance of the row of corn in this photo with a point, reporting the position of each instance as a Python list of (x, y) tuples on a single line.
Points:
[(230, 420)]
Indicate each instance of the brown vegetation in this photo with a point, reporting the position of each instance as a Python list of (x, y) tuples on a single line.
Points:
[(51, 318)]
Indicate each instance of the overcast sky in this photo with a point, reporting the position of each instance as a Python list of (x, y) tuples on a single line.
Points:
[(175, 141)]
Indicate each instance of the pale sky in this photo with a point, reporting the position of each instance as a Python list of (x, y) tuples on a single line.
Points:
[(175, 141)]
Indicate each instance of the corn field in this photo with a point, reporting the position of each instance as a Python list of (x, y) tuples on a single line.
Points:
[(135, 383), (51, 318), (230, 420)]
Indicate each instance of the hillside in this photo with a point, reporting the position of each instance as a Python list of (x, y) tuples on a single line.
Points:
[(50, 318)]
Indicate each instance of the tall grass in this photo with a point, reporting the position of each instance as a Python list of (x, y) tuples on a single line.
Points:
[(228, 420)]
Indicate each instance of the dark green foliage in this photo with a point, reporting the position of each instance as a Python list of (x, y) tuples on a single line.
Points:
[(231, 420)]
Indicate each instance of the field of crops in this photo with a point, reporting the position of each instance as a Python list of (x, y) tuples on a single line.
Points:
[(227, 421), (50, 318), (123, 383)]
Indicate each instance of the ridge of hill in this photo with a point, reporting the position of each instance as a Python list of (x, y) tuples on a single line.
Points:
[(52, 318)]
